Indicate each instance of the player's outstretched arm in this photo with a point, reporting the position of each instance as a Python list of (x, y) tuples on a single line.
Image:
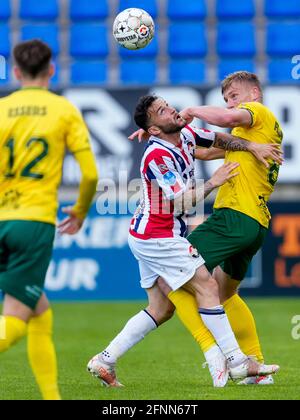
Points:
[(262, 152), (222, 117), (87, 189)]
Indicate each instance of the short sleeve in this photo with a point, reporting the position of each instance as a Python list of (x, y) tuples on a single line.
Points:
[(77, 137), (201, 137), (254, 109), (162, 170)]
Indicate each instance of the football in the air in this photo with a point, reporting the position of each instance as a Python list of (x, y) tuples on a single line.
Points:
[(133, 29)]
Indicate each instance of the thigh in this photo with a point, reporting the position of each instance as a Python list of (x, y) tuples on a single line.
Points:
[(42, 306), (13, 307), (223, 235), (237, 265)]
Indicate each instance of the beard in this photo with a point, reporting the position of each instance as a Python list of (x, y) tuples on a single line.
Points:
[(173, 127)]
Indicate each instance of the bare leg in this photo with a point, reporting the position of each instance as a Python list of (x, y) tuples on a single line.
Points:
[(158, 311), (159, 307), (227, 286), (15, 308)]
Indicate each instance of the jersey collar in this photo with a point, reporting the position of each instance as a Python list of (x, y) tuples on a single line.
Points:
[(164, 143), (33, 88)]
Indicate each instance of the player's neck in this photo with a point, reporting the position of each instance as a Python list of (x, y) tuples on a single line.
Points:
[(40, 83), (173, 138)]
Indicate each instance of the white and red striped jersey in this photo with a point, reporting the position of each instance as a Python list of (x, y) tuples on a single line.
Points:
[(167, 171)]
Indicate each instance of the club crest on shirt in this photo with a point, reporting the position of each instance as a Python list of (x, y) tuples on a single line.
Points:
[(163, 168)]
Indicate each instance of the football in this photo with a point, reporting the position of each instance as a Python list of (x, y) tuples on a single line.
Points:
[(133, 29)]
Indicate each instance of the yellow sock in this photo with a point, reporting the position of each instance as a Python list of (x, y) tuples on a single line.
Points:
[(12, 329), (41, 354), (243, 325), (187, 311)]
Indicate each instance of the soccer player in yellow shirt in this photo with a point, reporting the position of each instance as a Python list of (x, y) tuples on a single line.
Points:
[(235, 232), (36, 129)]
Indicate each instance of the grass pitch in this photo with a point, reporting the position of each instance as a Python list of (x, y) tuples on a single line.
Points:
[(166, 365)]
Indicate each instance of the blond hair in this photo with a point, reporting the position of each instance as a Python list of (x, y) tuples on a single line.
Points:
[(241, 76)]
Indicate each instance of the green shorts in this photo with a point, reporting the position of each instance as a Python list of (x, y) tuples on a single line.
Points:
[(230, 239), (25, 254)]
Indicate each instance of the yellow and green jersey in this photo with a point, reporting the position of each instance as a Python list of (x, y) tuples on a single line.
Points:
[(249, 192), (36, 128)]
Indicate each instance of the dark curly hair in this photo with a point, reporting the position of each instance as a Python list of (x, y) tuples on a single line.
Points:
[(141, 115)]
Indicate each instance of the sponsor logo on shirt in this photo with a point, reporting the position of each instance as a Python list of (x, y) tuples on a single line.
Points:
[(170, 178)]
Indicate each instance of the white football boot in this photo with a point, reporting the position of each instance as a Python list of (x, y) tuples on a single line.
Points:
[(251, 368), (258, 380), (218, 369), (104, 371)]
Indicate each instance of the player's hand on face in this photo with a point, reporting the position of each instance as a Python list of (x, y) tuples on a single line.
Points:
[(72, 224), (185, 114), (265, 152), (224, 174), (141, 134)]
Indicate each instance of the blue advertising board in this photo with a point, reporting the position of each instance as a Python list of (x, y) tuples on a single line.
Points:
[(97, 263)]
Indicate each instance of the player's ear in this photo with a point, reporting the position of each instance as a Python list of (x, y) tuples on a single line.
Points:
[(154, 130), (52, 70), (17, 73), (256, 93)]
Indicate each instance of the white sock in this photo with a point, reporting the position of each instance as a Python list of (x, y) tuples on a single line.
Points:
[(217, 322), (133, 332), (212, 353)]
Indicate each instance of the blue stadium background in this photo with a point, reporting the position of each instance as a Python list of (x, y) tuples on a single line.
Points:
[(198, 41), (197, 44)]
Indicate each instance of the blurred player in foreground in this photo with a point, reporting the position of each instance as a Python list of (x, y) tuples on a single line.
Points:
[(157, 239), (36, 128)]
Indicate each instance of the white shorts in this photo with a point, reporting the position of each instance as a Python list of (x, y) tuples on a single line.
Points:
[(173, 259)]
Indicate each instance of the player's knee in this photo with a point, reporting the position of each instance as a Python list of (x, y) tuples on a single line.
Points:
[(12, 330), (41, 324), (213, 286), (205, 286), (227, 291)]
